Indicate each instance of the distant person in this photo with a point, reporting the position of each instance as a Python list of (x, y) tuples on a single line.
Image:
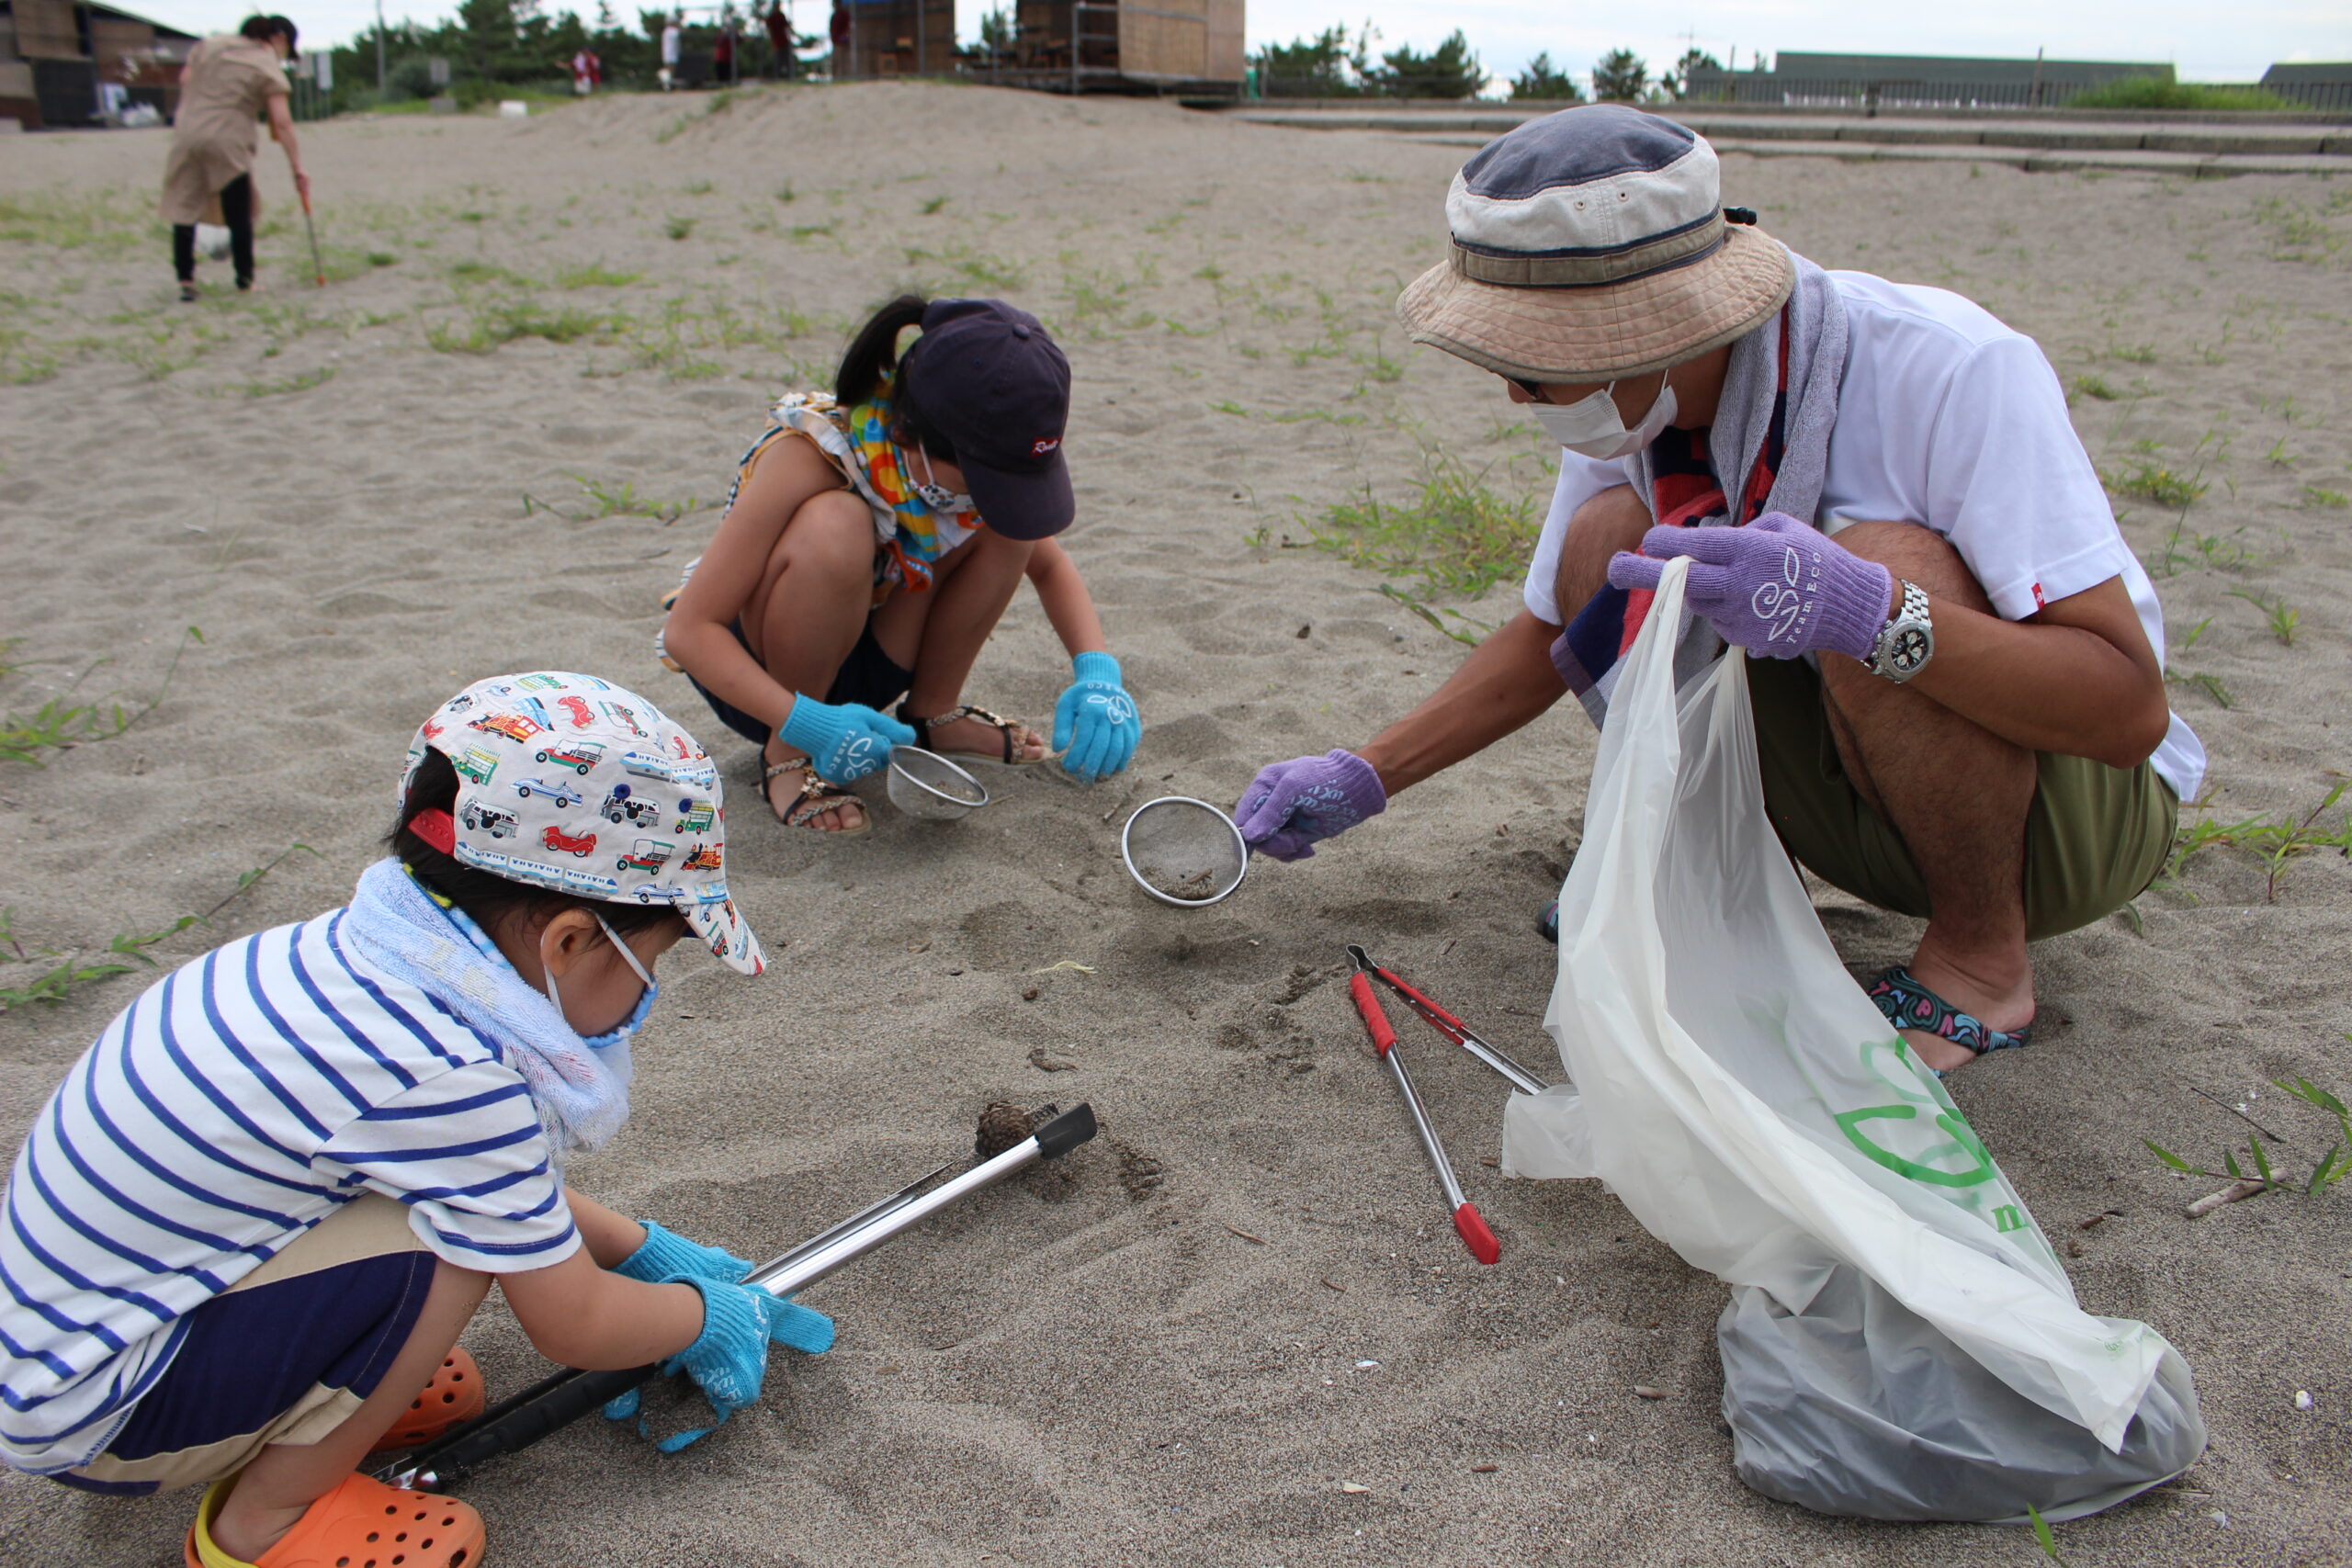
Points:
[(871, 542), (587, 72), (1955, 657), (779, 26), (673, 37), (722, 54), (231, 81), (843, 65)]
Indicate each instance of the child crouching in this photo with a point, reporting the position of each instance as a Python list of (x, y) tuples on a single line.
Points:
[(245, 1233)]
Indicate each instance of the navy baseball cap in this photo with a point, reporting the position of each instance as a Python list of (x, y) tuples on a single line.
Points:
[(987, 379)]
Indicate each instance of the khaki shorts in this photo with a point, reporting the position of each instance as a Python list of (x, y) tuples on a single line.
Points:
[(214, 1439), (2095, 837)]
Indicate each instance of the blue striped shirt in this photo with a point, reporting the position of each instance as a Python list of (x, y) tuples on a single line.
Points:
[(237, 1103)]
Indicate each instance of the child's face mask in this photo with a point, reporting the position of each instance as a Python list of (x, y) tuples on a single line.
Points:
[(937, 496), (637, 1015)]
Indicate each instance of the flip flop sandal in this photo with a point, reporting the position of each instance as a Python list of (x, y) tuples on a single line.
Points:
[(1010, 732), (452, 1397), (816, 798), (361, 1524), (1907, 1004)]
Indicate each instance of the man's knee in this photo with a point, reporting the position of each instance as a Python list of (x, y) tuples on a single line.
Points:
[(1919, 554), (1612, 521)]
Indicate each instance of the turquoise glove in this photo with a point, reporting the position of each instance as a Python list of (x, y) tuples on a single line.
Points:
[(667, 1254), (1095, 723), (844, 740), (728, 1360)]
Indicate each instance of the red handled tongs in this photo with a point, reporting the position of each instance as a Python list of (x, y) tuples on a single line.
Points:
[(1453, 1028), (1466, 1220)]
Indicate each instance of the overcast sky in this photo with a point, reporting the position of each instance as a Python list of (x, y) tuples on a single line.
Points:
[(2204, 40)]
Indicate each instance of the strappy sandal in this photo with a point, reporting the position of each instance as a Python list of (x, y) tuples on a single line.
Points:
[(362, 1523), (1907, 1004), (816, 798), (1010, 733), (452, 1397)]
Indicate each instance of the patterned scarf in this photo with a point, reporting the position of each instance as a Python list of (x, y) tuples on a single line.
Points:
[(1772, 427), (916, 544)]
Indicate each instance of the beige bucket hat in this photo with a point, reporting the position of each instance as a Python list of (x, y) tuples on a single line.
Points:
[(1590, 244)]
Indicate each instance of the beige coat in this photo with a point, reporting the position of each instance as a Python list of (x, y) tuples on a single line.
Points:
[(224, 92)]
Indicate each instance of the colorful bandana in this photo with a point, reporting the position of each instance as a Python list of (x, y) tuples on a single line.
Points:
[(917, 543), (570, 783)]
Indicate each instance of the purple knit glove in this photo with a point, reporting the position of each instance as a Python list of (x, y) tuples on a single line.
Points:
[(1777, 588), (1291, 805)]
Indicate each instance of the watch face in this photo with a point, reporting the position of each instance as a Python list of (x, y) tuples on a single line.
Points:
[(1907, 650)]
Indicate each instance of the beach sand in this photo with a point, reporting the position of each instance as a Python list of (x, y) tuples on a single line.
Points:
[(1176, 1346)]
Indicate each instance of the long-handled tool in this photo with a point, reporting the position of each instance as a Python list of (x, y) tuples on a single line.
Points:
[(558, 1400), (318, 267), (1468, 1222), (1453, 1028)]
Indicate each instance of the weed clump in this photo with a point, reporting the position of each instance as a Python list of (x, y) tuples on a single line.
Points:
[(1457, 535)]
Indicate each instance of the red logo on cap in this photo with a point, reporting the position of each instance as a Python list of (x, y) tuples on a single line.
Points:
[(1039, 448)]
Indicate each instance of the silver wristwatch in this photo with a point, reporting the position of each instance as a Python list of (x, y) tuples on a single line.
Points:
[(1907, 641)]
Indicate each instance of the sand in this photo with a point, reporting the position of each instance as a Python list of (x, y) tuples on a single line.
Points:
[(1098, 1366)]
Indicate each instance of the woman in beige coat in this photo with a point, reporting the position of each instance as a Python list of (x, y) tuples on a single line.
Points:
[(231, 81)]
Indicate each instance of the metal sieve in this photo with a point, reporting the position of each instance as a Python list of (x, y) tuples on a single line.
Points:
[(1184, 851), (924, 784)]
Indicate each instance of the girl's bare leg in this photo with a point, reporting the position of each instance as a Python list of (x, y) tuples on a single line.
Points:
[(940, 642), (805, 615), (287, 1478)]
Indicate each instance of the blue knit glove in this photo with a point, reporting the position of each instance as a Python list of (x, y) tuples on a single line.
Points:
[(728, 1360), (1095, 723), (844, 740), (666, 1254)]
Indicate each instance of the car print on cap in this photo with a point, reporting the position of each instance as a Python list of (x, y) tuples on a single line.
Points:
[(535, 747)]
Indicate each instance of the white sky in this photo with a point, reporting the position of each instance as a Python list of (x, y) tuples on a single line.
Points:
[(2204, 40)]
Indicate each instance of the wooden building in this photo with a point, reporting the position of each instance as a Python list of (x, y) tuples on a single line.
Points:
[(899, 37), (1081, 46), (57, 55)]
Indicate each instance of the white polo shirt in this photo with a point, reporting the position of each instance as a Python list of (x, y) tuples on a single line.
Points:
[(1947, 417)]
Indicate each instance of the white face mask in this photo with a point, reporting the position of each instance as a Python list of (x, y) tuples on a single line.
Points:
[(937, 496), (1591, 427), (637, 1015)]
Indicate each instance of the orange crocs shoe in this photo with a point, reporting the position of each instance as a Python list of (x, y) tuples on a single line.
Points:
[(361, 1524), (452, 1397)]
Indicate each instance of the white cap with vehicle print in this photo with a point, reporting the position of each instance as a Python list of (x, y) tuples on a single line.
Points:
[(573, 784)]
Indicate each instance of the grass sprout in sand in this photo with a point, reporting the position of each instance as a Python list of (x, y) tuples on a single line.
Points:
[(1457, 534)]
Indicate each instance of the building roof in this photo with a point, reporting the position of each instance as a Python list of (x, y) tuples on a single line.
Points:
[(114, 13), (2300, 74)]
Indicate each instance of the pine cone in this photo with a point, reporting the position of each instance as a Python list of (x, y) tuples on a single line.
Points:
[(1002, 1125)]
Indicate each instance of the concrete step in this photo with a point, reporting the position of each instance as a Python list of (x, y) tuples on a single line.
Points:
[(2186, 165), (2208, 138)]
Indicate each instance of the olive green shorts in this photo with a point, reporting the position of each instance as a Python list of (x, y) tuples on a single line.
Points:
[(2095, 837)]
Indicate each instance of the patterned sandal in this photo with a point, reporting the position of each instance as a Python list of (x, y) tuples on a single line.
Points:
[(1907, 1004), (452, 1396), (1010, 732), (362, 1523), (816, 798)]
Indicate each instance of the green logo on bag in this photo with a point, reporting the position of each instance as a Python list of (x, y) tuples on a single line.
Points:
[(1962, 1142)]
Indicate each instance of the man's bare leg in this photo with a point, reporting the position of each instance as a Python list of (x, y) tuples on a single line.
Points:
[(1956, 792)]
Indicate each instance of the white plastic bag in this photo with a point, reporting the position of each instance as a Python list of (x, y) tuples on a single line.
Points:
[(1739, 1093)]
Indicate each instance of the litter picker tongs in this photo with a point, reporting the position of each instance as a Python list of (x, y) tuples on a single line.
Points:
[(1453, 1028), (1467, 1222), (563, 1398)]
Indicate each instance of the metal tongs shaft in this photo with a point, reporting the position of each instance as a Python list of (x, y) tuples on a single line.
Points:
[(1467, 1222)]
